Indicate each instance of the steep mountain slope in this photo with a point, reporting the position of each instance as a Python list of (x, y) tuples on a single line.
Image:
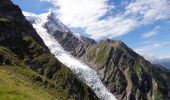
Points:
[(127, 74), (14, 88), (71, 42), (84, 72), (26, 58)]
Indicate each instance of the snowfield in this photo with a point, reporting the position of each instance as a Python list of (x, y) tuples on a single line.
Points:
[(84, 72)]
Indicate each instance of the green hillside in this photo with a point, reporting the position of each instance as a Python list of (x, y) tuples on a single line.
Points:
[(27, 68), (14, 88)]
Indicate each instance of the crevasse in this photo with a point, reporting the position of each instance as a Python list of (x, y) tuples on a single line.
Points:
[(84, 72)]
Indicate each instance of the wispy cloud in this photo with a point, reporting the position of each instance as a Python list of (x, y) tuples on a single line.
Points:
[(89, 15), (148, 11), (148, 47), (151, 33)]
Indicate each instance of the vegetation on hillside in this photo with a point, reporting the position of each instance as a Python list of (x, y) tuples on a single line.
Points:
[(26, 61)]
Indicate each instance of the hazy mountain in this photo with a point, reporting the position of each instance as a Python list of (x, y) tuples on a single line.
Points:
[(165, 62)]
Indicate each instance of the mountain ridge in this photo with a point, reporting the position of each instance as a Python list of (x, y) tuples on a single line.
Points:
[(83, 72), (25, 56), (124, 72)]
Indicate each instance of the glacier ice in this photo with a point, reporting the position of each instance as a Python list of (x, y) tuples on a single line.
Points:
[(84, 72)]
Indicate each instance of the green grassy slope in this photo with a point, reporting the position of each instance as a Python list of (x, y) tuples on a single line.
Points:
[(24, 55), (14, 88)]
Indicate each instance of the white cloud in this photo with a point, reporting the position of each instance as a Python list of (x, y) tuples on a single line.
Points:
[(151, 33), (87, 14), (81, 13), (149, 10), (111, 27), (124, 2), (148, 50)]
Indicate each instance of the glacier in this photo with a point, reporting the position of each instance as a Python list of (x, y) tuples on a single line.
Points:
[(78, 67)]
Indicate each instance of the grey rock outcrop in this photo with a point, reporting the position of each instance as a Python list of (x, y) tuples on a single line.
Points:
[(74, 44)]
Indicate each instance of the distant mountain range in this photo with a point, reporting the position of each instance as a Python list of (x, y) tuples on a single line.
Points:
[(165, 62)]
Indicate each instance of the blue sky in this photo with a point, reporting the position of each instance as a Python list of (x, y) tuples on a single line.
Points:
[(144, 25)]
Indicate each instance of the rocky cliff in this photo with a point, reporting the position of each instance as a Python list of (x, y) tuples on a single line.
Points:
[(127, 74), (71, 42), (24, 55)]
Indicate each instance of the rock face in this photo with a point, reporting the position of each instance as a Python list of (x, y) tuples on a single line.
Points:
[(21, 48), (127, 74), (71, 42)]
